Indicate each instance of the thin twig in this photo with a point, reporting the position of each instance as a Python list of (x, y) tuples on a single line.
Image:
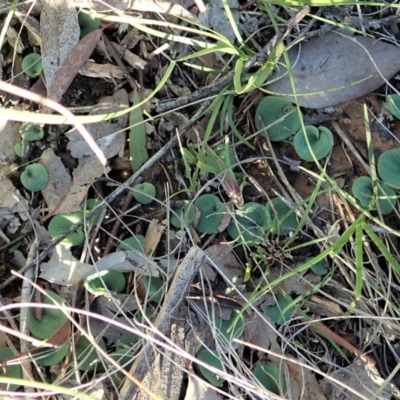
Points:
[(318, 327)]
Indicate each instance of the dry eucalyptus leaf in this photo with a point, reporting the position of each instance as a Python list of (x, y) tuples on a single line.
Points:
[(33, 27), (10, 136), (221, 258), (109, 135), (111, 139), (304, 379), (199, 390), (14, 39), (59, 180), (118, 302), (101, 70), (59, 30), (98, 327), (216, 18), (336, 68), (77, 58), (125, 261), (260, 331), (63, 268), (153, 235), (11, 201), (361, 377), (132, 59)]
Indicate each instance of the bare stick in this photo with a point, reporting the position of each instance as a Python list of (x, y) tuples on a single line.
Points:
[(183, 276)]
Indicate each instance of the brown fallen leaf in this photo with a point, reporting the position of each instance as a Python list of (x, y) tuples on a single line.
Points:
[(59, 180), (74, 62), (334, 68), (153, 235), (101, 70), (304, 379), (109, 136), (360, 378)]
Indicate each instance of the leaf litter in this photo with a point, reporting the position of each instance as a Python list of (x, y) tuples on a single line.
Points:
[(223, 259)]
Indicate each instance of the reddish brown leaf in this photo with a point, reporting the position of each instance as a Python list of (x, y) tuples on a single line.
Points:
[(75, 61)]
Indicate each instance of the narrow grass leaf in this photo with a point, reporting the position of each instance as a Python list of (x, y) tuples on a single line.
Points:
[(45, 118), (358, 248), (384, 250), (137, 136)]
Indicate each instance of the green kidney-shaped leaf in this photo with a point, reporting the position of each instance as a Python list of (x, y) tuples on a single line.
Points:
[(61, 223), (389, 167), (213, 360), (282, 311), (269, 375)]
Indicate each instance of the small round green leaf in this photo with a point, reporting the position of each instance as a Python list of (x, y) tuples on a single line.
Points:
[(268, 374), (135, 242), (32, 132), (393, 105), (213, 360), (86, 355), (61, 223), (35, 177), (229, 329), (277, 118), (127, 340), (46, 357), (87, 23), (320, 143), (90, 205), (389, 167), (32, 65), (98, 283), (250, 224), (155, 288), (51, 319), (284, 219), (184, 215), (9, 371), (124, 360), (144, 193), (363, 191), (320, 268), (282, 311), (18, 149), (212, 212)]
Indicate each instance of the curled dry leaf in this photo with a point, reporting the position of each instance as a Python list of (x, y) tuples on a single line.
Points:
[(324, 66), (95, 70)]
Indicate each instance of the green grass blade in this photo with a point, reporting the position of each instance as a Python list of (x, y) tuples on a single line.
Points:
[(137, 136), (383, 249), (34, 117), (358, 249)]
